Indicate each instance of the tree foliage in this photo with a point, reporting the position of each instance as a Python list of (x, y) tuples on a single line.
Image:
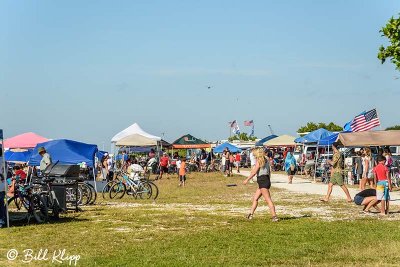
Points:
[(395, 127), (392, 51), (242, 137), (312, 126)]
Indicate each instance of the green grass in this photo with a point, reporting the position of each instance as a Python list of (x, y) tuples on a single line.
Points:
[(203, 224)]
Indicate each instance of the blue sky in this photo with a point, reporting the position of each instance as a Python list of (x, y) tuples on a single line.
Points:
[(85, 70)]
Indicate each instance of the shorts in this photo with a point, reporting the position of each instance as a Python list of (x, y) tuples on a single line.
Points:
[(164, 169), (182, 178), (309, 166), (264, 181), (227, 165), (237, 164), (382, 190), (203, 161), (337, 178), (358, 200)]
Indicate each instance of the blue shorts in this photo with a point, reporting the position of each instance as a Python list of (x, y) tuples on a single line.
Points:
[(382, 190), (358, 200)]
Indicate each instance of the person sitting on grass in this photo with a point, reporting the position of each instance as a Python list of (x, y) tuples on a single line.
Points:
[(336, 175), (383, 184), (263, 172), (182, 172), (367, 198)]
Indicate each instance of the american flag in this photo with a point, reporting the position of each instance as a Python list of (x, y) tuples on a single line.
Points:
[(248, 123), (365, 121)]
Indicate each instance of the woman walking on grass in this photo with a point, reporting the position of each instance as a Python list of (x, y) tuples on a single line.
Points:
[(263, 171)]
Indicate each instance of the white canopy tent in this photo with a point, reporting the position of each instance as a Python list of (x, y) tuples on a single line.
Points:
[(134, 135)]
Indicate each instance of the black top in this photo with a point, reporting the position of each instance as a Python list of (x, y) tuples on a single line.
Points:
[(367, 193)]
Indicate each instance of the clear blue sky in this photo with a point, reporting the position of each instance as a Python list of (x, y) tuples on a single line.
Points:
[(85, 70)]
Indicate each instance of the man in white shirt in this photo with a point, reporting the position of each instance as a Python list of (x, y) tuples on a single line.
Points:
[(46, 159)]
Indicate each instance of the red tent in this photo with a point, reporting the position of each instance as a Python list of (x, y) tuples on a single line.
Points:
[(26, 140)]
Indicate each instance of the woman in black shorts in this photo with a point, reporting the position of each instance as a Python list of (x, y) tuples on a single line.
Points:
[(263, 171)]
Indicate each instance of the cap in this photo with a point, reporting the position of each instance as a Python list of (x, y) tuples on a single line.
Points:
[(41, 149)]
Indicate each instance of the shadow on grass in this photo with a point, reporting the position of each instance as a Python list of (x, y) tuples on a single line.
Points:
[(21, 219), (290, 218)]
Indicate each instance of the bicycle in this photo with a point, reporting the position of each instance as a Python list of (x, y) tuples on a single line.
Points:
[(49, 196), (138, 188), (33, 203)]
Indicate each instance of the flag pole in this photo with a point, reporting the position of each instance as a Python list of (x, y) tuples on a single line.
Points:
[(380, 124)]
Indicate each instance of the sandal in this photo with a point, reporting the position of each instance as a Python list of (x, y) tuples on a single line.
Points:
[(323, 200), (275, 219), (249, 216)]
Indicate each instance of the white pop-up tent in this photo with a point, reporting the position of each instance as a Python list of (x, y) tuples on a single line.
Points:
[(135, 136)]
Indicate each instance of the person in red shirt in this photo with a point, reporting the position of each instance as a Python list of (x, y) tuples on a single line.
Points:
[(20, 173), (383, 184), (237, 161), (164, 162)]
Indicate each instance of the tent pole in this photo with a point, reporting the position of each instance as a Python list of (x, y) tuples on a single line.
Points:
[(94, 178), (316, 163), (4, 176)]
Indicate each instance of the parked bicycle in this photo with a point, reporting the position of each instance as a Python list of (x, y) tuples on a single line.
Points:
[(34, 204)]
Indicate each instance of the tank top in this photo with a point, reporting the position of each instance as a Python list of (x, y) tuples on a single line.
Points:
[(264, 170)]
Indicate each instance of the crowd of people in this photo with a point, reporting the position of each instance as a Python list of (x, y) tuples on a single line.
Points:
[(367, 170), (374, 172)]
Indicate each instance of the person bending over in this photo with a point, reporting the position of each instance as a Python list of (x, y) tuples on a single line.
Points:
[(367, 198)]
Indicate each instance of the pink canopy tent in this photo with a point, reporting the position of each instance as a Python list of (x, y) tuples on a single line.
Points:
[(26, 140)]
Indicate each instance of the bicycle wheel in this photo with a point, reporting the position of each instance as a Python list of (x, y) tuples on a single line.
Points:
[(94, 194), (39, 208), (14, 203), (105, 192), (86, 194), (117, 190), (143, 191), (52, 205), (154, 190)]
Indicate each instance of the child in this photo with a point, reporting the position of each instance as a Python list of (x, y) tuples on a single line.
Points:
[(383, 184), (178, 165), (182, 172)]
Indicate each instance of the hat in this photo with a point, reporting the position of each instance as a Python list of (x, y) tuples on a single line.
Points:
[(41, 149)]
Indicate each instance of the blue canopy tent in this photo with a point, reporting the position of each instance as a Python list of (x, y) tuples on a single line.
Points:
[(314, 136), (329, 140), (11, 156), (65, 151), (265, 139), (221, 147)]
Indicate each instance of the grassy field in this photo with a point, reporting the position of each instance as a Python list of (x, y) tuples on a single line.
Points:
[(204, 224)]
